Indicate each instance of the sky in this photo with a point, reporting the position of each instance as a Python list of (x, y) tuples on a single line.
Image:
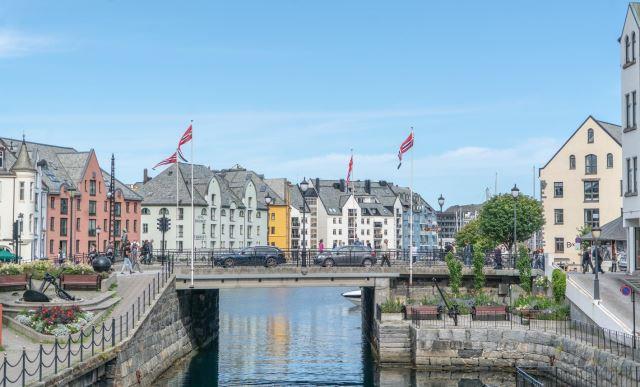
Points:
[(288, 88)]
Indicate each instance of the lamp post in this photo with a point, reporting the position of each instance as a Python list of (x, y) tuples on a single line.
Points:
[(595, 232), (515, 192), (72, 194), (18, 233), (304, 186), (98, 231), (268, 200), (441, 203)]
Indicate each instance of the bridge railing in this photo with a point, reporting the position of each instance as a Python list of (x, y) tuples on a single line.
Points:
[(33, 365)]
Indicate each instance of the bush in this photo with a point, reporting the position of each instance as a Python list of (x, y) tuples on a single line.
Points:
[(11, 269), (392, 306), (559, 285), (523, 265), (484, 300), (479, 278), (430, 301), (455, 272)]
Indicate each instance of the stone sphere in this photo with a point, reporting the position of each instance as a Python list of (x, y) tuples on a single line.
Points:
[(101, 263)]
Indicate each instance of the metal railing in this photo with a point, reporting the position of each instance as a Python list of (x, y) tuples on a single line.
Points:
[(523, 379), (596, 375), (49, 359)]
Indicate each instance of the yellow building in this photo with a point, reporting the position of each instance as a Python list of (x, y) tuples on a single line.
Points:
[(581, 187), (279, 220)]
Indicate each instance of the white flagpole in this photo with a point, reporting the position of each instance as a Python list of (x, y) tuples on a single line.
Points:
[(193, 214), (411, 214), (175, 226)]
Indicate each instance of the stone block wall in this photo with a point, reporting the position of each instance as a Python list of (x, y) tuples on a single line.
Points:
[(394, 342)]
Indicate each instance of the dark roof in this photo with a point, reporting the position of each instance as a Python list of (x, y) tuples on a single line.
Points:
[(127, 192), (464, 208), (238, 177), (23, 162), (161, 190), (612, 231), (278, 188)]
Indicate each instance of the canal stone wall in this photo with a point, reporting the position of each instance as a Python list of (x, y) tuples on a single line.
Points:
[(476, 349)]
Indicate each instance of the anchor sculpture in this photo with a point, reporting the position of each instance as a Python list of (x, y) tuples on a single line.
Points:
[(31, 295)]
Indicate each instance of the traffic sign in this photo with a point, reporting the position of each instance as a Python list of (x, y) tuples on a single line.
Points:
[(625, 290)]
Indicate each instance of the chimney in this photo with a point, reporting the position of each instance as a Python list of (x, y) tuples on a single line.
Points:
[(145, 176), (342, 185), (317, 184), (367, 186)]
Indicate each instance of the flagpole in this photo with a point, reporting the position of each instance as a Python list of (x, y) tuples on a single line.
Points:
[(177, 196), (351, 176), (411, 214), (193, 214)]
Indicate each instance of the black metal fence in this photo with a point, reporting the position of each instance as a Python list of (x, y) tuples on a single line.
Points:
[(49, 359), (523, 379), (553, 376)]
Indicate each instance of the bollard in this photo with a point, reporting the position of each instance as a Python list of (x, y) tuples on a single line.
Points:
[(121, 327), (24, 365), (55, 358), (40, 365), (138, 308), (69, 350), (113, 332), (149, 292)]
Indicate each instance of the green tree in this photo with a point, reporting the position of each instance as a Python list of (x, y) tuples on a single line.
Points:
[(455, 272), (496, 219), (559, 285), (479, 278), (523, 264), (472, 235)]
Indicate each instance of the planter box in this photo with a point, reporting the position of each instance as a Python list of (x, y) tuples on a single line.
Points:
[(490, 313), (12, 282), (392, 317), (69, 281)]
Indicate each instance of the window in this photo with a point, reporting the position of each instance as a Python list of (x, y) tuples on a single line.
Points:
[(558, 189), (163, 211), (1, 158), (63, 227), (180, 231), (231, 229), (591, 191), (135, 207), (258, 214), (592, 217), (609, 160), (223, 212), (127, 207), (31, 191), (51, 246), (203, 212), (249, 213), (231, 213), (590, 136), (213, 199), (635, 174), (78, 204), (591, 164), (92, 187), (629, 171), (634, 102), (241, 214), (180, 213), (559, 245), (52, 224), (213, 214), (273, 230), (64, 206), (92, 227), (241, 230), (627, 46), (118, 209), (53, 203), (145, 228), (92, 207), (77, 224), (213, 230), (558, 216), (273, 217), (126, 228), (146, 211), (222, 229), (633, 46), (180, 245), (135, 225), (22, 190), (105, 206)]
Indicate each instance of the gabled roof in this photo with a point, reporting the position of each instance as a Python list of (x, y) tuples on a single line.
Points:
[(278, 188), (127, 192), (238, 177), (161, 190), (23, 162), (634, 7), (295, 197), (75, 164), (613, 130)]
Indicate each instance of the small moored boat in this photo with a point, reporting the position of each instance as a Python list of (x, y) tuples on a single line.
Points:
[(355, 297)]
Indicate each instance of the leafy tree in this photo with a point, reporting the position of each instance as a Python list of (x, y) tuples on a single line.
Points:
[(455, 272), (472, 235), (523, 264), (559, 285), (479, 278), (496, 219)]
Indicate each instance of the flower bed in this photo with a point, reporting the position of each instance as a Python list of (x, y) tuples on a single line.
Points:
[(39, 268), (541, 308), (55, 321)]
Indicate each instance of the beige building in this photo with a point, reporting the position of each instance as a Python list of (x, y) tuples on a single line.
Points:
[(581, 186)]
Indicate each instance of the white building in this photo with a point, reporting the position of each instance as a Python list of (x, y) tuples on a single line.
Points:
[(630, 76)]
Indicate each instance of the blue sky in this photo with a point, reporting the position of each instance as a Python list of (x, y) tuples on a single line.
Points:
[(288, 87)]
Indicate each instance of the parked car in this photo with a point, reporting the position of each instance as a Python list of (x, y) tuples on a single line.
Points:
[(347, 256), (252, 256)]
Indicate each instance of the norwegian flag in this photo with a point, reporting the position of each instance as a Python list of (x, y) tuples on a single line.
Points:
[(186, 137), (350, 170), (169, 160), (404, 148)]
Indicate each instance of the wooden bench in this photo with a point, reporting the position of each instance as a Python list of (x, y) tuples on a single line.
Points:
[(13, 282), (424, 312), (84, 281), (490, 313)]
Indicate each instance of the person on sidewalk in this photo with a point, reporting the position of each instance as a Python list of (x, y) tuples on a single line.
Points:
[(586, 261), (126, 254), (321, 246), (614, 263), (135, 257), (596, 254), (385, 254)]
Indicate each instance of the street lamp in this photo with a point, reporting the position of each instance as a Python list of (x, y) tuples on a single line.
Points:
[(72, 194), (98, 231), (304, 186), (18, 233), (441, 203), (268, 200), (596, 232), (515, 192)]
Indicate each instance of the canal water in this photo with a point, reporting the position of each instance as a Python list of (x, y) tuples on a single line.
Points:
[(306, 336)]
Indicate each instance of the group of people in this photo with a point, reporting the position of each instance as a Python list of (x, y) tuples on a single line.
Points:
[(133, 253), (597, 254)]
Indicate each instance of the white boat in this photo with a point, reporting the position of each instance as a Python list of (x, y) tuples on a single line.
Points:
[(355, 297)]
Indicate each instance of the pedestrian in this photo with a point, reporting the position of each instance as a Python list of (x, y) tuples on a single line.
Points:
[(385, 254), (614, 263), (586, 261), (369, 244), (135, 257), (597, 255), (126, 254), (321, 246), (109, 252), (92, 253), (497, 258), (61, 257)]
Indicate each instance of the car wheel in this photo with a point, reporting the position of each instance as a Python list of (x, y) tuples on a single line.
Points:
[(329, 263), (367, 263), (271, 262), (228, 262)]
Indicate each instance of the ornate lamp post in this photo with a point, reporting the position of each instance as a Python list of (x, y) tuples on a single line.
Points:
[(72, 194), (441, 203), (304, 186), (515, 192), (98, 231), (268, 200), (596, 232)]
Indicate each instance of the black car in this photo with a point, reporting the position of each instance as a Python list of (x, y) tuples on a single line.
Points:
[(355, 255), (252, 256)]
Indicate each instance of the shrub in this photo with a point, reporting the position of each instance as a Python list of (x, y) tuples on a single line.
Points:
[(430, 301), (524, 268), (559, 285), (455, 272), (484, 300), (11, 269), (479, 278), (392, 306), (542, 282)]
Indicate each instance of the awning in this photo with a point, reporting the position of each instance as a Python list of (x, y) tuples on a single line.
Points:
[(612, 231)]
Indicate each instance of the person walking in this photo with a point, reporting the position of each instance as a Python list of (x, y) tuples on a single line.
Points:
[(614, 263), (126, 254), (61, 257), (321, 246), (596, 253), (586, 261), (385, 254), (135, 257), (497, 258)]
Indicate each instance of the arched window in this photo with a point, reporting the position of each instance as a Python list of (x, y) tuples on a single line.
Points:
[(609, 160), (591, 164), (633, 46), (626, 49), (590, 136), (572, 162), (1, 158), (145, 211), (164, 211), (203, 212)]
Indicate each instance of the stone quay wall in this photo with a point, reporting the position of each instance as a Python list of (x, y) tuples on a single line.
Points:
[(478, 349)]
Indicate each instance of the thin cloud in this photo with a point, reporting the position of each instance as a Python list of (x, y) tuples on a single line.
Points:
[(15, 43)]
